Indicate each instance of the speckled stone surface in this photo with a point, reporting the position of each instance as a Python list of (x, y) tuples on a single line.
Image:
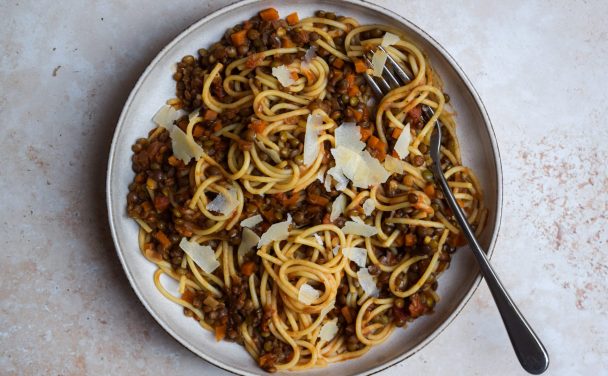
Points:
[(66, 68)]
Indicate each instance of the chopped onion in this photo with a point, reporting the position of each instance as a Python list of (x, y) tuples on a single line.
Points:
[(202, 255)]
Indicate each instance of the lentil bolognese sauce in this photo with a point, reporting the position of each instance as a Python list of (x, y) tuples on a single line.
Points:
[(298, 217)]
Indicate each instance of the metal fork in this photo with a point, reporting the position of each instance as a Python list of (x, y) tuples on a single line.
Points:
[(529, 349)]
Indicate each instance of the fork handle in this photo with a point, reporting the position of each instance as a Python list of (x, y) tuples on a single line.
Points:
[(529, 349)]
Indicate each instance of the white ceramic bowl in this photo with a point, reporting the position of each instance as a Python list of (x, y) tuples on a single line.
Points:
[(155, 86)]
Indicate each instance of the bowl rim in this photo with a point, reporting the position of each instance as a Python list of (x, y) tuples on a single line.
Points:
[(374, 7)]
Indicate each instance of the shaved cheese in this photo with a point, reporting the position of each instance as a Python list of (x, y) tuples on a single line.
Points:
[(224, 204), (321, 176), (378, 61), (310, 54), (348, 135), (277, 232), (356, 254), (356, 219), (361, 229), (308, 294), (329, 330), (202, 255), (403, 142), (318, 239), (194, 114), (389, 39), (327, 183), (251, 221), (373, 173), (249, 239), (311, 138), (165, 116), (341, 180), (283, 74), (394, 165), (368, 206), (335, 250), (184, 148), (367, 282), (337, 207)]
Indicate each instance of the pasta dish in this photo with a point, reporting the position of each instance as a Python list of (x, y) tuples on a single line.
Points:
[(295, 212)]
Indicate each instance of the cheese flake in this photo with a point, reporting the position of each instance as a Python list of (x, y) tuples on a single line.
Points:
[(249, 239), (355, 228), (319, 239), (251, 221), (367, 282), (283, 74), (276, 232), (348, 135), (335, 250), (356, 254), (389, 39), (224, 203), (403, 142), (341, 180), (329, 330), (202, 255), (311, 138), (368, 206), (393, 165), (308, 294), (337, 207), (378, 61), (165, 116), (184, 148)]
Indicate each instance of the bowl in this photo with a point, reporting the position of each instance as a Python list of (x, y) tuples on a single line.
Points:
[(155, 86)]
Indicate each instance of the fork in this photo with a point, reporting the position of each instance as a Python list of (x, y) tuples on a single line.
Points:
[(529, 349)]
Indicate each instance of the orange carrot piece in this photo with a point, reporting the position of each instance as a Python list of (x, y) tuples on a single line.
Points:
[(396, 133), (247, 25), (365, 133), (220, 332), (346, 313), (317, 199), (188, 296), (162, 239), (239, 38), (338, 63), (410, 240), (269, 14), (286, 42), (209, 115), (360, 66), (248, 268), (430, 190), (353, 91), (217, 126), (292, 19), (258, 126)]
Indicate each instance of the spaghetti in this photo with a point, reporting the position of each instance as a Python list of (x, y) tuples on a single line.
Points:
[(326, 266)]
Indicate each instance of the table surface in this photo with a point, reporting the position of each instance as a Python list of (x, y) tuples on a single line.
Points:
[(66, 306)]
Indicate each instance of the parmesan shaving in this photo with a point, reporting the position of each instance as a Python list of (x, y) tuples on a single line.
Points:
[(348, 135), (311, 138), (378, 61), (283, 74), (337, 207), (368, 206), (394, 165), (202, 255), (361, 229), (184, 148), (275, 233), (224, 204), (403, 142), (329, 330), (310, 54), (335, 250), (357, 255), (249, 239), (321, 176), (389, 39), (367, 282), (341, 180), (165, 116), (308, 294), (251, 221), (319, 239)]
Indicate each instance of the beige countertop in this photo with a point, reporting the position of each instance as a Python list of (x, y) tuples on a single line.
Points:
[(67, 67)]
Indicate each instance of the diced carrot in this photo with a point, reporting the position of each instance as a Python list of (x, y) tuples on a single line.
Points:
[(161, 203), (217, 126), (346, 313), (338, 63), (353, 91), (326, 219), (287, 201), (360, 66), (378, 148), (254, 60), (247, 25), (410, 240), (457, 241), (292, 19), (394, 154), (286, 42), (358, 115), (197, 131), (396, 133), (430, 190), (269, 14), (317, 199), (373, 141), (294, 75), (350, 79), (164, 241), (239, 38), (209, 115), (152, 254), (365, 133), (248, 268), (220, 332), (258, 125), (188, 296)]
